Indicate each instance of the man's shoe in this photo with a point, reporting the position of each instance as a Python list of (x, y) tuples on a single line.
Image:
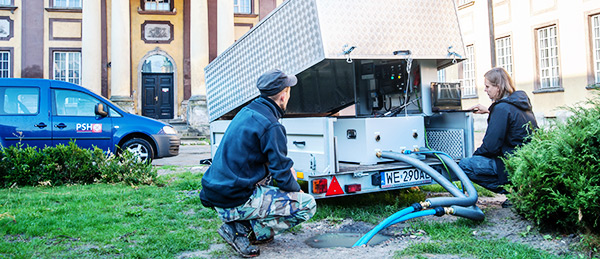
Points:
[(507, 204), (255, 241), (236, 235)]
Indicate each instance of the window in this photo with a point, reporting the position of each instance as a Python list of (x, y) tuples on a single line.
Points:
[(157, 64), (157, 5), (504, 54), (19, 100), (6, 2), (242, 6), (441, 75), (5, 64), (548, 57), (468, 82), (67, 66), (67, 4), (73, 103), (463, 2), (596, 46)]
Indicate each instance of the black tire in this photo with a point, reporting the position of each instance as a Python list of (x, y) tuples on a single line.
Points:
[(140, 147)]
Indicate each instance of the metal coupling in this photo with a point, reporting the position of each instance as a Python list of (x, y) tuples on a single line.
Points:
[(449, 210), (425, 204), (378, 154)]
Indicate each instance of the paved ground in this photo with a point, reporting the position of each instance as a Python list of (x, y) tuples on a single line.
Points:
[(190, 153)]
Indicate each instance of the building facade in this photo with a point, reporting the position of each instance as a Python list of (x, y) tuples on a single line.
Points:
[(148, 56), (551, 48)]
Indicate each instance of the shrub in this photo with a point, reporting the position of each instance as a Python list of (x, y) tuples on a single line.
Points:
[(69, 164), (556, 177)]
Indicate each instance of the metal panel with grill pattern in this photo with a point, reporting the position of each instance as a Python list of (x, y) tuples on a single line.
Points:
[(288, 39), (449, 141), (301, 33), (378, 27)]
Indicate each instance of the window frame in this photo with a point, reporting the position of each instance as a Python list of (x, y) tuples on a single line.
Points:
[(461, 4), (500, 58), (11, 61), (53, 5), (11, 4), (594, 79), (469, 68), (142, 8), (251, 13), (67, 50), (441, 75), (539, 87)]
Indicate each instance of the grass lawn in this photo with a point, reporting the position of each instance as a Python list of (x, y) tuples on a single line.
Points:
[(104, 220)]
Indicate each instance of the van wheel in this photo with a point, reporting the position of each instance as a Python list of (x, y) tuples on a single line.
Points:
[(141, 148)]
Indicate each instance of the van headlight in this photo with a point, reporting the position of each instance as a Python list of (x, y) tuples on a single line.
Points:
[(168, 130)]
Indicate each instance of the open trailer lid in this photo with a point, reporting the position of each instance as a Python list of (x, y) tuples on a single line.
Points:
[(302, 33)]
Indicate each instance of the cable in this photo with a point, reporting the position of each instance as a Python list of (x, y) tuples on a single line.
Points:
[(438, 157)]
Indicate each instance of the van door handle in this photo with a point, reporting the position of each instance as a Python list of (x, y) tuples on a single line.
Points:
[(60, 125), (41, 125), (299, 143)]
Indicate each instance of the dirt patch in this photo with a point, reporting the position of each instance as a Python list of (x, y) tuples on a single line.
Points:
[(500, 223)]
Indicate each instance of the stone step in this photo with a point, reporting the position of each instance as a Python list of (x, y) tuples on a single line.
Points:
[(184, 131)]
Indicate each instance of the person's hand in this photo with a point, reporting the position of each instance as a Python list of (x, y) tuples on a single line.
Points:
[(294, 173), (479, 109)]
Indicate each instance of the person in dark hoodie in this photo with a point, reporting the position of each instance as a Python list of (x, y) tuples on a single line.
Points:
[(252, 152), (510, 121)]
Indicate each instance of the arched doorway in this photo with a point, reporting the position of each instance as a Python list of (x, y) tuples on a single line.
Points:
[(157, 85)]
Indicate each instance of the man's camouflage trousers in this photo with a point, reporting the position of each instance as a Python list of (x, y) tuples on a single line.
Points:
[(271, 211)]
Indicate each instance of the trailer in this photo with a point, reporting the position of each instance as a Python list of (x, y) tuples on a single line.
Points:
[(367, 82)]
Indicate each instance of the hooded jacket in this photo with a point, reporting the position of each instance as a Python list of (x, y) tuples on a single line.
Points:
[(510, 121), (253, 146)]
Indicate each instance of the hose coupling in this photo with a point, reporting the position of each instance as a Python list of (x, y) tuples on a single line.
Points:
[(425, 204), (417, 206), (449, 210), (378, 154), (439, 211)]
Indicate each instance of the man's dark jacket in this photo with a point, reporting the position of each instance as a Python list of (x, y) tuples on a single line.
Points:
[(510, 121), (254, 144)]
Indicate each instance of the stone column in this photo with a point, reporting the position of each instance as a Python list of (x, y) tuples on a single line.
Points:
[(197, 113), (91, 46), (120, 56), (225, 31)]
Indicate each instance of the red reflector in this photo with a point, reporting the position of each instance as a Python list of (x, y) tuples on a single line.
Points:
[(352, 188), (334, 188), (319, 186)]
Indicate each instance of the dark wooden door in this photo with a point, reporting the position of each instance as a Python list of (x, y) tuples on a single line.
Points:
[(157, 95)]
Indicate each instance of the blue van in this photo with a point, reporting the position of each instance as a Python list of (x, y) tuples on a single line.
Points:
[(42, 112)]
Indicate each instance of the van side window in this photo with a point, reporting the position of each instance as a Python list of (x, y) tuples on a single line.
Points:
[(19, 100), (113, 113), (73, 103)]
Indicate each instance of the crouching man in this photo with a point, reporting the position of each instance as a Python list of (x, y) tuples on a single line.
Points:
[(252, 152)]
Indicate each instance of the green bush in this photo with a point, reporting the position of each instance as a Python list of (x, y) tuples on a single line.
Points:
[(69, 164), (556, 177)]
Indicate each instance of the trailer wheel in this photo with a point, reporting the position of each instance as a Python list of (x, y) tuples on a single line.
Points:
[(141, 148)]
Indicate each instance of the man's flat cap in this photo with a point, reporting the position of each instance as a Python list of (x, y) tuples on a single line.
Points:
[(274, 81)]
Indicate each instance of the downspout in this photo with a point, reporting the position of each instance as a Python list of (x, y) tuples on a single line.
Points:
[(491, 31)]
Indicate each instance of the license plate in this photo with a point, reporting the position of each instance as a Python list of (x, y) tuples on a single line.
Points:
[(408, 177)]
